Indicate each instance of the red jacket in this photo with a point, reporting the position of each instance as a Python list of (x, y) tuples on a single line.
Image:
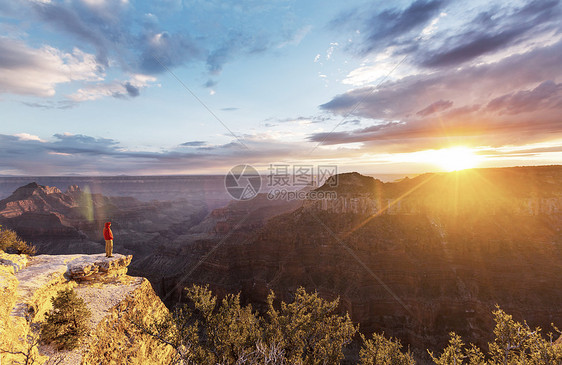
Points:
[(107, 234)]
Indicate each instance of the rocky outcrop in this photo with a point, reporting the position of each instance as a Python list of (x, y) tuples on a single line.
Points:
[(28, 284), (98, 267)]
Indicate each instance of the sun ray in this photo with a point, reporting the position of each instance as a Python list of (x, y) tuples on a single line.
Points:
[(385, 208)]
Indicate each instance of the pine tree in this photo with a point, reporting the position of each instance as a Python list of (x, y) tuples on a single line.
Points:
[(67, 324)]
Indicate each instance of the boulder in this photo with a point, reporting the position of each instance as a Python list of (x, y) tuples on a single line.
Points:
[(98, 267)]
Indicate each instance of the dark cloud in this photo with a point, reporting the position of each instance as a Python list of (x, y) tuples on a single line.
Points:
[(406, 96), (210, 83), (488, 33), (545, 96), (352, 122), (390, 26), (438, 106), (491, 30), (193, 144), (311, 119), (78, 143), (132, 91), (164, 50), (488, 110), (74, 20), (385, 27)]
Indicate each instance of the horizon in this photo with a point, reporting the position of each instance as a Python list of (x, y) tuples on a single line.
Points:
[(99, 88), (262, 172)]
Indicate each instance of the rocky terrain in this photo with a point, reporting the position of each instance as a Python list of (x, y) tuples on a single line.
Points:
[(207, 188), (27, 285), (72, 221), (415, 259), (164, 236)]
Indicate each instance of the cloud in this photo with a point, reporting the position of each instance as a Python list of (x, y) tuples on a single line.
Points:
[(80, 154), (388, 27), (313, 119), (28, 137), (167, 50), (49, 104), (502, 102), (477, 82), (118, 37), (37, 71), (210, 83), (194, 144), (132, 90), (69, 144), (116, 89), (438, 106), (70, 18), (416, 31), (489, 32), (547, 95)]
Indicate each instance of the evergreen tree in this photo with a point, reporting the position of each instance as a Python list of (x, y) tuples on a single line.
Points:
[(67, 324)]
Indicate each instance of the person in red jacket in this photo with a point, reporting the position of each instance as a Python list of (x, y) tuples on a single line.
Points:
[(108, 236)]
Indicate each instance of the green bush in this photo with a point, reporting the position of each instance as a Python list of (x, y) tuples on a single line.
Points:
[(67, 324), (380, 350), (208, 331), (515, 343), (310, 331), (11, 243)]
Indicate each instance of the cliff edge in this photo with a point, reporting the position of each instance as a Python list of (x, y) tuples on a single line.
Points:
[(27, 285)]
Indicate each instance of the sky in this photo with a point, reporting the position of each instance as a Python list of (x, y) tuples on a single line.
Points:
[(99, 87)]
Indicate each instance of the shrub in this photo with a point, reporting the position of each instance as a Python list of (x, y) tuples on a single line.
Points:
[(67, 324), (11, 243), (208, 331), (383, 351)]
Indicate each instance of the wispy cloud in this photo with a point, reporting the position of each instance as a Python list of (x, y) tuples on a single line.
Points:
[(117, 89)]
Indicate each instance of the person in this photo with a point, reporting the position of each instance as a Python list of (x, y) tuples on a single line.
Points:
[(108, 236)]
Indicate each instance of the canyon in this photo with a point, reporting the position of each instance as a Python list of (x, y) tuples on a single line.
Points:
[(416, 258)]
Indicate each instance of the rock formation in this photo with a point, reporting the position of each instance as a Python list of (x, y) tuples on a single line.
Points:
[(415, 259), (72, 222), (27, 285)]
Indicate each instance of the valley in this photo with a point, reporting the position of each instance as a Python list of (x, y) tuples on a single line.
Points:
[(416, 258)]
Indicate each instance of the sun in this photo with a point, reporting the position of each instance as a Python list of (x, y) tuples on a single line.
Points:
[(456, 158)]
